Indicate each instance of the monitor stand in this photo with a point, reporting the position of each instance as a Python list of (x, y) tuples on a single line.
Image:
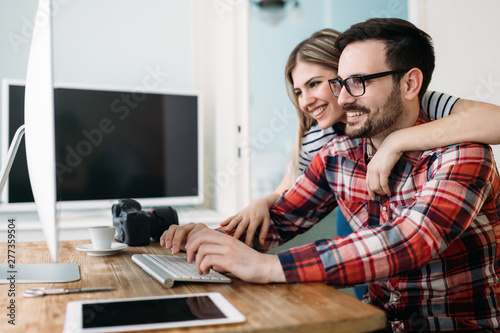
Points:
[(32, 273), (39, 273)]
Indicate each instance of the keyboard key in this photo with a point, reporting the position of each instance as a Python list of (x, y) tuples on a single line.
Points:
[(169, 268)]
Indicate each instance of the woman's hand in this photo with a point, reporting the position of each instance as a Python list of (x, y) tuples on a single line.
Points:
[(380, 167), (252, 217)]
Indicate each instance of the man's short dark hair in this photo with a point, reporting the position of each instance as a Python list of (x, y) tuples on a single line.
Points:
[(406, 46)]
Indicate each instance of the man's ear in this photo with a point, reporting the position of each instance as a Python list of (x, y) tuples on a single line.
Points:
[(412, 83)]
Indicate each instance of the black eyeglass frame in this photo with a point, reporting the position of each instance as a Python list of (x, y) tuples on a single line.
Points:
[(363, 79)]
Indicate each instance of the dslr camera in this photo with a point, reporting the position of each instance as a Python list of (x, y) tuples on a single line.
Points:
[(136, 227)]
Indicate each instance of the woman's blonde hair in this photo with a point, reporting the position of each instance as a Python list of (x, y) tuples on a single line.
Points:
[(318, 49)]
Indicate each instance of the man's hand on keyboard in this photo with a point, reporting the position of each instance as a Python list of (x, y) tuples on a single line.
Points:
[(175, 237), (223, 253)]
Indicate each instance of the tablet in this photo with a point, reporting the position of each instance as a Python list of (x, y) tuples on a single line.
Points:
[(146, 313)]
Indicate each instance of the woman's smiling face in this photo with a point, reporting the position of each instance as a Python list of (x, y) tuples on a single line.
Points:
[(310, 84)]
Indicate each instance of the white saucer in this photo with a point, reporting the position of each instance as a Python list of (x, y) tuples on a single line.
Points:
[(115, 248)]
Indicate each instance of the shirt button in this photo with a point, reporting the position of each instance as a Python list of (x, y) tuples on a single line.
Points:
[(384, 208)]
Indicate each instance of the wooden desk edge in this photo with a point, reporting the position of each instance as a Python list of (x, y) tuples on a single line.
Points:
[(259, 303)]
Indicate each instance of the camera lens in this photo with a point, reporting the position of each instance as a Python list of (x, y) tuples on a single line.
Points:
[(162, 219)]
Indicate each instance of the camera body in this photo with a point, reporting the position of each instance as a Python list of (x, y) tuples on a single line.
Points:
[(136, 227)]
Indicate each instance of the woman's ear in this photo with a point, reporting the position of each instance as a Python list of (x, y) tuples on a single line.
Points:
[(412, 83)]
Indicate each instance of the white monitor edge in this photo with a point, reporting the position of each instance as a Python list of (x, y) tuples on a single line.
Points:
[(40, 150)]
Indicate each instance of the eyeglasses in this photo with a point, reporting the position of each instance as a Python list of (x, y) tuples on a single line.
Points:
[(355, 85)]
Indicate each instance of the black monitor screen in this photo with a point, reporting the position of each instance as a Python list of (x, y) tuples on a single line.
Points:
[(115, 144)]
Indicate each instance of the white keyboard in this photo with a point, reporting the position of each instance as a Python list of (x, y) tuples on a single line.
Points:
[(169, 268)]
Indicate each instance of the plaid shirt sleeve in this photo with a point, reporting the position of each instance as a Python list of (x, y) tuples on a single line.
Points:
[(302, 206), (452, 187)]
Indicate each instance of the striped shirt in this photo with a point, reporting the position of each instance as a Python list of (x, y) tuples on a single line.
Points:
[(437, 105), (429, 252)]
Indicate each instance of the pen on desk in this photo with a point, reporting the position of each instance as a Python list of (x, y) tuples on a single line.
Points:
[(35, 292)]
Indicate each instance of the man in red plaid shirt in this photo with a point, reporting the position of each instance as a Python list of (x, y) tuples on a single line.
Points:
[(429, 250)]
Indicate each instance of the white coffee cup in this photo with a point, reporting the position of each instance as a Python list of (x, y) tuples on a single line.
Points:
[(101, 237)]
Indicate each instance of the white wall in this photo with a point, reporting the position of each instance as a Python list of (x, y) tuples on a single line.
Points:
[(465, 35), (221, 71), (117, 42)]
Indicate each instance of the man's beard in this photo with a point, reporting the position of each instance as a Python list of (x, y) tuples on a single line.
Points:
[(378, 121)]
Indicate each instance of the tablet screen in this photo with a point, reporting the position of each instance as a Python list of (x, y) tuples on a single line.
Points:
[(166, 310)]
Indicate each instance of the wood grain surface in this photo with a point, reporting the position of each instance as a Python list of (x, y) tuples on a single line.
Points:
[(308, 307)]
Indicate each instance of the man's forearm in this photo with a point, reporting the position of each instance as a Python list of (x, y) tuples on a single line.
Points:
[(275, 269)]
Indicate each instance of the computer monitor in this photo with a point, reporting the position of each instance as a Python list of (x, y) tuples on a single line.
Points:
[(40, 152), (112, 143)]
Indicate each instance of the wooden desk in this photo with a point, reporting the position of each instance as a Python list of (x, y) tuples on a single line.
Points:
[(309, 307)]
